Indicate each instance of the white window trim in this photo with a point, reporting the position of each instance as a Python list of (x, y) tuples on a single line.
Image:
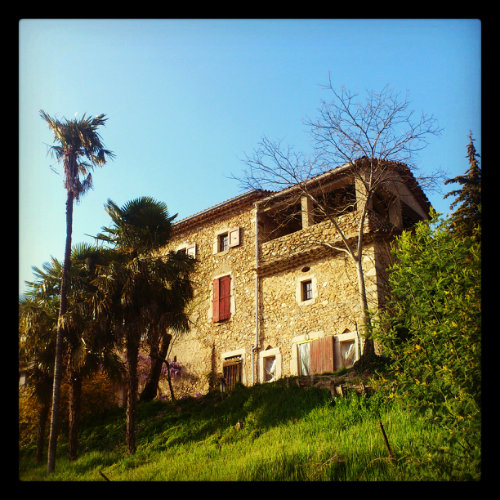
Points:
[(298, 290), (342, 337), (232, 240), (275, 352)]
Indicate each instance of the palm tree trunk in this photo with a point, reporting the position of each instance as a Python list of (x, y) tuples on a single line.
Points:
[(158, 357), (75, 397), (56, 388), (132, 353), (43, 414)]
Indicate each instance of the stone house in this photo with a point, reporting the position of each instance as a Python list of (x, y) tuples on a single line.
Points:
[(270, 299)]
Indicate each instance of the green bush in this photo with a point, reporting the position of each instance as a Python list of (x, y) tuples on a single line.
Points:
[(431, 330)]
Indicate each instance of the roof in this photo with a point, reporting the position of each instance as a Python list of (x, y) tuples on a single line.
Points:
[(259, 195), (222, 208)]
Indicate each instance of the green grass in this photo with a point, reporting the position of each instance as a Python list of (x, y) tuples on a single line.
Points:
[(271, 432)]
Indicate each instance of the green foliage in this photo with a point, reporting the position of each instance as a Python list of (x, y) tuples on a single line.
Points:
[(431, 330), (466, 219), (269, 432)]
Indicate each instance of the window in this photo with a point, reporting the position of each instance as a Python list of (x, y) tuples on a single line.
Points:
[(221, 299), (223, 242), (231, 368), (307, 293), (188, 250), (306, 290), (270, 364), (269, 368), (316, 356), (227, 239), (348, 352), (346, 349)]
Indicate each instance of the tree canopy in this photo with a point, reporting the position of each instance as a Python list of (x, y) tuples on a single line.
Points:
[(466, 219)]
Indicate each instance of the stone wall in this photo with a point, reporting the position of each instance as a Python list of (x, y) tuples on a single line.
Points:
[(274, 278), (334, 309), (283, 318), (201, 349)]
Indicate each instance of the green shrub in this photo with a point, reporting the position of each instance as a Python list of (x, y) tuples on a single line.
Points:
[(431, 330)]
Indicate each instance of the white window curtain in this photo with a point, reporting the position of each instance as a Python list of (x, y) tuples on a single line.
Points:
[(348, 352), (269, 368), (304, 358)]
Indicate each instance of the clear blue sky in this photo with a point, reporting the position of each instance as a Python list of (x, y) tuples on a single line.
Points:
[(186, 99)]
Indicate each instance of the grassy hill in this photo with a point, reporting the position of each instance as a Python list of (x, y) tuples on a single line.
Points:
[(270, 432)]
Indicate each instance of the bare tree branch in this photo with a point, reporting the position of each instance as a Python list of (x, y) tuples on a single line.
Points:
[(370, 141)]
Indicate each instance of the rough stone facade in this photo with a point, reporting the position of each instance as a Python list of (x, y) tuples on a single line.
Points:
[(283, 292)]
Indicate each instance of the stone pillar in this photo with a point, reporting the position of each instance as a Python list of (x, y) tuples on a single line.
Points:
[(307, 211)]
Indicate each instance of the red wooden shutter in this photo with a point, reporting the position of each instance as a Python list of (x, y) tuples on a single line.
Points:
[(321, 353), (225, 298), (215, 300)]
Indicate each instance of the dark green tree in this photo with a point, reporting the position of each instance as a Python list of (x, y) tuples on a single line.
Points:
[(91, 343), (88, 341), (140, 288), (466, 219), (37, 324)]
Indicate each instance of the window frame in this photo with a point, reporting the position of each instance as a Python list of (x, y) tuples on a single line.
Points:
[(188, 249), (223, 242), (299, 290), (226, 239), (231, 359), (307, 290), (270, 353)]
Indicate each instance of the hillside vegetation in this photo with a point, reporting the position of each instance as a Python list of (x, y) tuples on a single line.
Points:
[(270, 432)]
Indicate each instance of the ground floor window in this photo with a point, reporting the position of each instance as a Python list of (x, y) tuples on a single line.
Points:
[(269, 365), (316, 356), (326, 354), (347, 349), (232, 370)]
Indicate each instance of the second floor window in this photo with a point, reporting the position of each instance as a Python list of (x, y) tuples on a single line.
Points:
[(307, 292), (221, 299), (223, 242)]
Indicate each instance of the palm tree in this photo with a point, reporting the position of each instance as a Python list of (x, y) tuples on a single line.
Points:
[(37, 323), (137, 287), (174, 299), (88, 341), (79, 147), (91, 344)]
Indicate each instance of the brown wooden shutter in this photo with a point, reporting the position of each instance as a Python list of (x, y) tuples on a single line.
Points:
[(225, 298), (215, 300), (322, 359), (232, 371)]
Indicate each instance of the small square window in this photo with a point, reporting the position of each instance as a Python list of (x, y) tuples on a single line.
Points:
[(307, 293), (223, 242)]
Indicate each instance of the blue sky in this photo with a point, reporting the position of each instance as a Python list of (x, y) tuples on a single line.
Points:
[(187, 99)]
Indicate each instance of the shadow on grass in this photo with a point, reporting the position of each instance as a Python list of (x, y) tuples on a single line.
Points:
[(255, 409)]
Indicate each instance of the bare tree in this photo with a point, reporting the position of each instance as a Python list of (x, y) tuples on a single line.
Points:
[(373, 142)]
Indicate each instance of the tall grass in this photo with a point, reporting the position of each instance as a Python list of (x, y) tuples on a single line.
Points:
[(271, 432)]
